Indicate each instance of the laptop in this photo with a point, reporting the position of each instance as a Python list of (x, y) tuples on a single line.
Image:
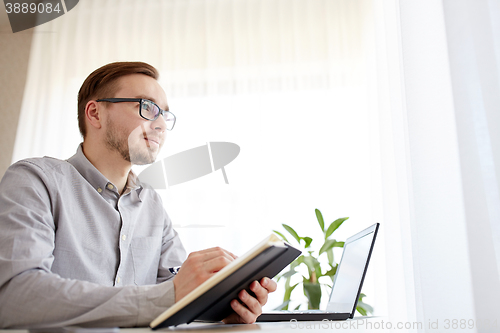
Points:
[(346, 286)]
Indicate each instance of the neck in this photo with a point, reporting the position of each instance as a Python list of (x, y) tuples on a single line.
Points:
[(110, 163)]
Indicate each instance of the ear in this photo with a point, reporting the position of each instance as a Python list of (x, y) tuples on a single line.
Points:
[(93, 114)]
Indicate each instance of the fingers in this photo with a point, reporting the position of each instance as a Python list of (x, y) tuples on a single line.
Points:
[(249, 310), (252, 304), (209, 261), (212, 253), (259, 291), (251, 307), (269, 284), (215, 251), (216, 259), (213, 258), (262, 289), (199, 267)]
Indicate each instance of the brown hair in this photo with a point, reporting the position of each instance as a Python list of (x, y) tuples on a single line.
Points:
[(102, 84)]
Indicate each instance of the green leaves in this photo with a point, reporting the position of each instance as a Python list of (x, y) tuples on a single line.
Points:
[(313, 261), (288, 293), (291, 231), (313, 267), (334, 225), (329, 254), (313, 293), (307, 240), (332, 271), (361, 310), (319, 216), (362, 307), (286, 275), (282, 306), (329, 244), (281, 235)]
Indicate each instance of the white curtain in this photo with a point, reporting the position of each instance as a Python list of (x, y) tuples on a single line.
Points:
[(439, 103), (372, 109), (202, 48)]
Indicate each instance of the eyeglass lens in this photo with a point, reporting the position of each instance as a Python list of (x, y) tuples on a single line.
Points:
[(150, 111)]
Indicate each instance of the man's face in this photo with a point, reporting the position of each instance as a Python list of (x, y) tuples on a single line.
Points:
[(136, 139)]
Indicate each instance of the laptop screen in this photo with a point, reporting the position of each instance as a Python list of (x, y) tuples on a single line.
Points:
[(351, 271)]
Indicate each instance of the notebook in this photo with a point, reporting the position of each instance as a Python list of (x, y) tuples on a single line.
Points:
[(346, 286), (211, 300)]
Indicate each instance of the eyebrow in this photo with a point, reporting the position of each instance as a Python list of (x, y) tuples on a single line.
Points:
[(151, 99)]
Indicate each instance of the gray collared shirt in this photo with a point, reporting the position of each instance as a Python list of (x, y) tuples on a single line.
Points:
[(73, 251)]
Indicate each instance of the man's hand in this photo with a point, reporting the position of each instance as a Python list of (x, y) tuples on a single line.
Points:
[(251, 307), (201, 265), (198, 267)]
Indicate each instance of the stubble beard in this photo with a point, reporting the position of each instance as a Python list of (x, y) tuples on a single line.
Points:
[(133, 153)]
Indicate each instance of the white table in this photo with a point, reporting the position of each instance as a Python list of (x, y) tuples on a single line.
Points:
[(359, 325)]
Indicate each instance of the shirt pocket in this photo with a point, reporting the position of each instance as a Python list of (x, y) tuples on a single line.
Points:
[(146, 258)]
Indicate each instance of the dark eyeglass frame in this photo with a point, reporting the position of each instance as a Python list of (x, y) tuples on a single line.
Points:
[(142, 100)]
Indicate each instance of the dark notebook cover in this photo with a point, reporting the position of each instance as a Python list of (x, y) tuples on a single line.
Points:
[(211, 300)]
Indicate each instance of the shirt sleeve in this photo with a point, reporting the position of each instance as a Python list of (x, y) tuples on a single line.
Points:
[(30, 294)]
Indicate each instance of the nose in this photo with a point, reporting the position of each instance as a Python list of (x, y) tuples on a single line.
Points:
[(159, 124)]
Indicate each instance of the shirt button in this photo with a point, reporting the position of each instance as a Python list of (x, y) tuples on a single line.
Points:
[(99, 190), (118, 279), (110, 186), (124, 237)]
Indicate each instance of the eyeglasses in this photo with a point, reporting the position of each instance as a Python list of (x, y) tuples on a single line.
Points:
[(148, 110)]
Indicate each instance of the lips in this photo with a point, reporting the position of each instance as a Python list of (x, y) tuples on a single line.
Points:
[(157, 141), (152, 141)]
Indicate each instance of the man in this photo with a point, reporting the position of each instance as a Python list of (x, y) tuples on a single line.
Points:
[(82, 241)]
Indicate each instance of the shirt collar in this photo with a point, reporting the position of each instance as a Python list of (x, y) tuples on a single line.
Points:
[(133, 183), (96, 178)]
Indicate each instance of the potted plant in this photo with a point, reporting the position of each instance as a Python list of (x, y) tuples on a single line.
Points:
[(312, 287)]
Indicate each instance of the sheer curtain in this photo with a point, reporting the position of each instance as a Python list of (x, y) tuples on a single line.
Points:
[(368, 109), (438, 98)]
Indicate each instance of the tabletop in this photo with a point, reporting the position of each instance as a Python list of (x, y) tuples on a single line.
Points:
[(357, 324)]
